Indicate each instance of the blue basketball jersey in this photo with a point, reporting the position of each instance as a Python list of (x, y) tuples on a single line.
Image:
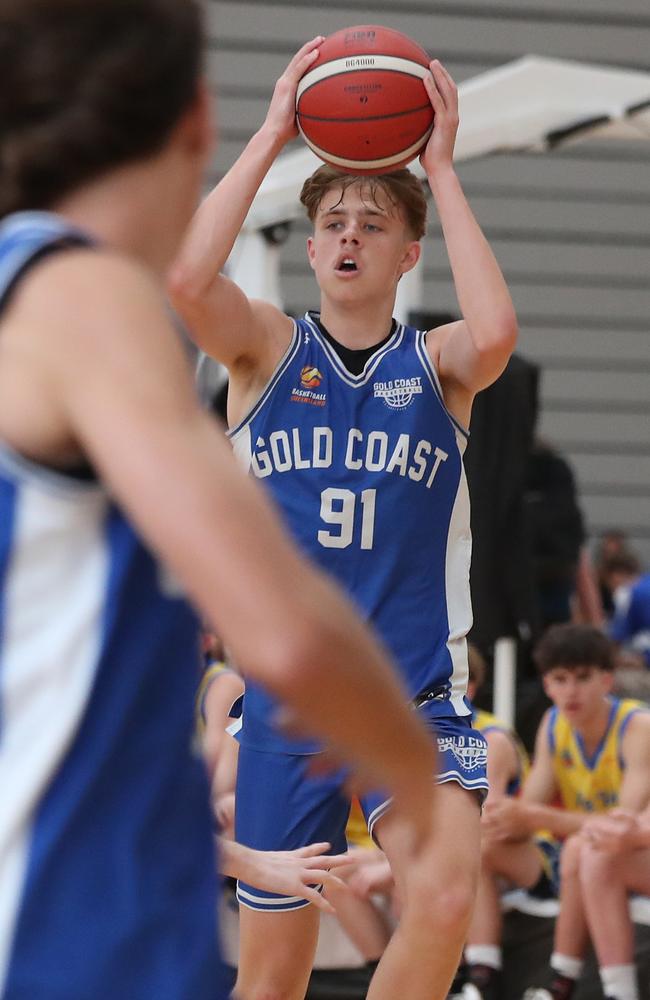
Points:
[(107, 880), (367, 470)]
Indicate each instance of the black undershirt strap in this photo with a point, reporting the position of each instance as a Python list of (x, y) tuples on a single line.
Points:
[(355, 360)]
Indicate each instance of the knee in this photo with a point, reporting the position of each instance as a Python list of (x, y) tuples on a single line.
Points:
[(448, 906), (571, 855), (596, 866)]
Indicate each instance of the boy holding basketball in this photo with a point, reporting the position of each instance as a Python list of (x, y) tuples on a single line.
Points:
[(357, 425)]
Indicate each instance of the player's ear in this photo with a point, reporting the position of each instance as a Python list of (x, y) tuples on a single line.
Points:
[(197, 130), (411, 257), (608, 681), (310, 251)]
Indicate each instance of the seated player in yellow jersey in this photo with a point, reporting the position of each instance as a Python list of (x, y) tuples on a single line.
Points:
[(507, 767), (591, 756)]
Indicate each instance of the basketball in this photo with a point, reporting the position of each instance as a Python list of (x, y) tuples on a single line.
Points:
[(362, 107)]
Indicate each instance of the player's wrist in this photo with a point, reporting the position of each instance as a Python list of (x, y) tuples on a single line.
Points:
[(273, 137), (441, 175)]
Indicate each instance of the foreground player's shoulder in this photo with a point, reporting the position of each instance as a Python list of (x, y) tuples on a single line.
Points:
[(89, 283)]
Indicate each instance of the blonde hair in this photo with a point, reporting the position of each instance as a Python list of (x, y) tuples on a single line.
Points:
[(402, 188)]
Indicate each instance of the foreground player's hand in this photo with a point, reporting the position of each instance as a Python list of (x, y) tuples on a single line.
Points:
[(443, 94), (281, 116)]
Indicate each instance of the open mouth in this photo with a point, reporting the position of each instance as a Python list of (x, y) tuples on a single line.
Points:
[(347, 265)]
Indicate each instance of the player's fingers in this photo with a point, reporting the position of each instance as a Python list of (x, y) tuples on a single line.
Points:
[(449, 78), (445, 85), (315, 897), (434, 94), (314, 849), (305, 55)]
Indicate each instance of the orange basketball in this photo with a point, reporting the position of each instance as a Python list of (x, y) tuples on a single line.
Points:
[(362, 105)]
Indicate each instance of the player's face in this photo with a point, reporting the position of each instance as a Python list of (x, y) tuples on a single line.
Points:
[(361, 245), (578, 692)]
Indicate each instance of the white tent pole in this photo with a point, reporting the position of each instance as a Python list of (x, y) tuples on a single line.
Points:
[(505, 677)]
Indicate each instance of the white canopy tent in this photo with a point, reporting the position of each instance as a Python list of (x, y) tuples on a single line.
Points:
[(532, 104)]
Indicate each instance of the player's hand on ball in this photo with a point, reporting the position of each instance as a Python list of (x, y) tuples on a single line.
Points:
[(281, 116), (443, 94)]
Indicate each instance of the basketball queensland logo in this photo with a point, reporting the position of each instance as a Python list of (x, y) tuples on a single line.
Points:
[(398, 393), (310, 380)]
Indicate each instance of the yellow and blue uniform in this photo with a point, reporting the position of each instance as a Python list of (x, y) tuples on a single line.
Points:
[(590, 783)]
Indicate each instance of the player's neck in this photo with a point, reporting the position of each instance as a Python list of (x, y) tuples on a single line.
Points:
[(593, 730), (357, 327)]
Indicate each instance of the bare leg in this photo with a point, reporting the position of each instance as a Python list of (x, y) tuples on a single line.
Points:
[(365, 925), (606, 880), (571, 932), (519, 863), (276, 953), (437, 889)]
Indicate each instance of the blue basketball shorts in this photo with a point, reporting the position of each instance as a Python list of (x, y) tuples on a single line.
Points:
[(281, 807)]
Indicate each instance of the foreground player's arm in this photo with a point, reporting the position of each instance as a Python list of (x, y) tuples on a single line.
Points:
[(635, 751), (140, 424), (221, 319), (472, 353)]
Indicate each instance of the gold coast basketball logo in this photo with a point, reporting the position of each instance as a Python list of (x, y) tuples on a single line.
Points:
[(310, 380), (398, 393), (469, 751)]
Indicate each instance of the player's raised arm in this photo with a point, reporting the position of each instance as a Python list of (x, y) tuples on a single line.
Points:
[(285, 623), (220, 318), (473, 353)]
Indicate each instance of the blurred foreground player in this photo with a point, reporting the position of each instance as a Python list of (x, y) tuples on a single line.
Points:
[(357, 425), (107, 885)]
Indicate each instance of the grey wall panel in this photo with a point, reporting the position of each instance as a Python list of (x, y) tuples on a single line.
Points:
[(617, 349), (440, 32)]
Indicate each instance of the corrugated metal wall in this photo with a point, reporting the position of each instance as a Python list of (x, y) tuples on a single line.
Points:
[(571, 229)]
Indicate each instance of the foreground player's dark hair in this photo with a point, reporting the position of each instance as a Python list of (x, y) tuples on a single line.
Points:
[(573, 646), (87, 85)]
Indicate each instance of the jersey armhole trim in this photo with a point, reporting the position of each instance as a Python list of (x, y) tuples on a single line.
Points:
[(277, 374), (430, 369), (552, 721)]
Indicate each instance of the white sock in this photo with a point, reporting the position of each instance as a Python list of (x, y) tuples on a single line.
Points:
[(484, 954), (619, 982), (566, 965)]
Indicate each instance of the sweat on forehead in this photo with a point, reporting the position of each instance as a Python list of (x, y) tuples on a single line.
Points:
[(372, 196)]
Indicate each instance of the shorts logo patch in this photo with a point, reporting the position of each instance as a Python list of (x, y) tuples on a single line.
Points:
[(470, 752)]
